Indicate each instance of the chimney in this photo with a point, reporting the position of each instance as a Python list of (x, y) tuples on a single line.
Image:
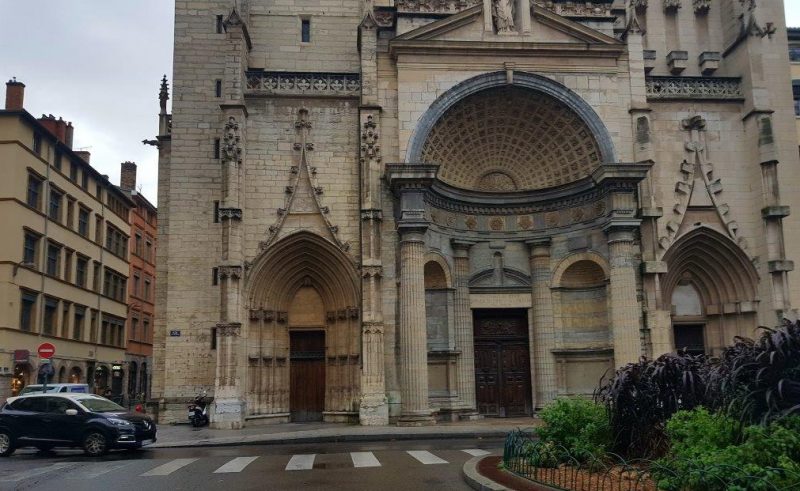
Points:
[(84, 155), (15, 95), (57, 127), (68, 133), (127, 176)]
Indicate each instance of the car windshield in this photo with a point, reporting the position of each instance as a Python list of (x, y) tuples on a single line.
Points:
[(97, 405)]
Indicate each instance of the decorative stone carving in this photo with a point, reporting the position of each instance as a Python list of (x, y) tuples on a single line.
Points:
[(578, 9), (671, 6), (304, 83), (471, 223), (706, 88), (303, 194), (496, 181), (497, 224), (490, 132), (229, 329), (370, 149), (434, 6), (577, 215), (599, 209), (503, 15), (551, 219), (698, 186), (639, 5), (231, 150), (750, 24), (525, 222), (224, 272), (229, 214), (701, 7), (642, 130)]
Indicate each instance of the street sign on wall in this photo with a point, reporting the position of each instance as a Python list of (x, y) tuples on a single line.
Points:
[(46, 350)]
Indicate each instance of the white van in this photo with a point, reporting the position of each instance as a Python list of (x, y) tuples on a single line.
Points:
[(30, 389)]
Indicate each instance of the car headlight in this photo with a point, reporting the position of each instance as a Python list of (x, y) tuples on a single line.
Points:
[(119, 422)]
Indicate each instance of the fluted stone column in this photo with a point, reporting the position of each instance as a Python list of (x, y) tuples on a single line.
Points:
[(625, 309), (544, 376), (465, 363), (413, 329)]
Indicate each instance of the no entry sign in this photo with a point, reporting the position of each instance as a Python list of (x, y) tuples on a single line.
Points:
[(46, 350)]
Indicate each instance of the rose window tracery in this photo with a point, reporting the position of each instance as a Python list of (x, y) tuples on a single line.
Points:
[(511, 139)]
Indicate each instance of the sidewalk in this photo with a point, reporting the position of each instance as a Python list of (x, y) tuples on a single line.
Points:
[(176, 436)]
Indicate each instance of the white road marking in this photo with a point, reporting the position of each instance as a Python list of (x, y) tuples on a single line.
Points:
[(92, 471), (426, 457), (364, 459), (236, 465), (301, 462), (169, 467), (476, 452), (20, 476)]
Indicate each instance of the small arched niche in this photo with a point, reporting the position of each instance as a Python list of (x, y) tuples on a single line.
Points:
[(584, 306)]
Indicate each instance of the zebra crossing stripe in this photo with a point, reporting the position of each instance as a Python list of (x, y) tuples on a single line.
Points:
[(235, 465), (476, 452), (97, 470), (426, 457), (168, 468), (364, 459), (301, 462)]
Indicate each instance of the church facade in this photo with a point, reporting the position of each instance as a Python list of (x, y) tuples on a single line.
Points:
[(403, 211)]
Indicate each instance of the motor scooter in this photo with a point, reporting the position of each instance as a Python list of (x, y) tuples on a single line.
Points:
[(198, 411)]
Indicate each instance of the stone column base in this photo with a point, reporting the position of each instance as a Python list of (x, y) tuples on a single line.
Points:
[(373, 411), (227, 414), (470, 415)]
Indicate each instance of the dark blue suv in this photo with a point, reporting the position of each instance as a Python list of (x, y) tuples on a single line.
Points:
[(92, 422)]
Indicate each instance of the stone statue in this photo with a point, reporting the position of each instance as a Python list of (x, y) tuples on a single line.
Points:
[(503, 15)]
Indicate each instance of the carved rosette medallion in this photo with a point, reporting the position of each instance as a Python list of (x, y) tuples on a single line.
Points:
[(551, 219), (471, 223), (577, 215), (599, 209), (525, 222), (497, 224)]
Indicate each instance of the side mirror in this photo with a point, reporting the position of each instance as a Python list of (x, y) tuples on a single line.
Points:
[(71, 412)]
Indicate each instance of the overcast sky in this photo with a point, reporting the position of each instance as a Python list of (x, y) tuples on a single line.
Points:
[(98, 63)]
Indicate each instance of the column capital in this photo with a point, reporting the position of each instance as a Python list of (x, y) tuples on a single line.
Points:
[(225, 329), (623, 231), (461, 247), (412, 231), (539, 247)]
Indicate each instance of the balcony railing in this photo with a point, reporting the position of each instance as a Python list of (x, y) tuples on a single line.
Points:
[(704, 88)]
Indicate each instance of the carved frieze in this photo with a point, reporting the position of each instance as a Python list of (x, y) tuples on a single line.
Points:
[(695, 88), (525, 222), (303, 83), (370, 148), (434, 6), (672, 6), (581, 9), (229, 214)]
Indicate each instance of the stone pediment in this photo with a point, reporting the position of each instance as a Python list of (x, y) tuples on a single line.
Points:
[(500, 278), (471, 29)]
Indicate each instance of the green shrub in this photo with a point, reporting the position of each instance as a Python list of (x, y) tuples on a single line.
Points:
[(578, 425), (709, 452)]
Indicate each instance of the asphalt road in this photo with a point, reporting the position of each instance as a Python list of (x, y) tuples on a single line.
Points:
[(384, 466)]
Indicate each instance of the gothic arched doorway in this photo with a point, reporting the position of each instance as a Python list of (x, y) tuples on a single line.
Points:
[(711, 288), (303, 343)]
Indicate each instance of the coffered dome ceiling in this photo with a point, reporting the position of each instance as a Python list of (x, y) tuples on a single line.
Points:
[(510, 139)]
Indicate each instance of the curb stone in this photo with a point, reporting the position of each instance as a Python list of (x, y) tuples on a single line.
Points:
[(283, 438), (476, 481)]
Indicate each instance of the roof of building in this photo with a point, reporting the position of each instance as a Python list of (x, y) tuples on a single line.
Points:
[(66, 150)]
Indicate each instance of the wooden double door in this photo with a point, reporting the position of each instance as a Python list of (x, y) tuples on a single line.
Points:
[(502, 362), (307, 375)]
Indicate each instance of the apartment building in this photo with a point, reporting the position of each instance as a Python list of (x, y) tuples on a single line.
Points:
[(141, 287), (63, 256)]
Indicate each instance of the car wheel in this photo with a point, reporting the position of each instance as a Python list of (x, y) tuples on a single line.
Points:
[(95, 444), (6, 443)]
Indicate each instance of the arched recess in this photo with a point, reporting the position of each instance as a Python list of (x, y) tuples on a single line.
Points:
[(75, 375), (724, 279), (526, 80), (302, 284), (583, 344), (439, 324)]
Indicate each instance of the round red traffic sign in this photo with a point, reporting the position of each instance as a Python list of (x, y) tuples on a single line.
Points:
[(46, 350)]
